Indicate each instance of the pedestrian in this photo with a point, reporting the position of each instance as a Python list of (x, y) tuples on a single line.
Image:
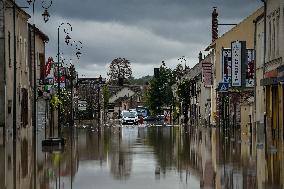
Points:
[(166, 117), (141, 120)]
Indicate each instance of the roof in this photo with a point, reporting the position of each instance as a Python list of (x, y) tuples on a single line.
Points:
[(115, 89), (42, 35), (18, 8)]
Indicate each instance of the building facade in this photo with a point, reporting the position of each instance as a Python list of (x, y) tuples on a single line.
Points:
[(244, 31), (273, 66)]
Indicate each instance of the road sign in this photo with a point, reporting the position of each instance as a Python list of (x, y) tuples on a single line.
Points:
[(223, 87)]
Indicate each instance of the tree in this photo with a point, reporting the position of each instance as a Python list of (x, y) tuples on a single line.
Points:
[(140, 81), (178, 72), (184, 95), (159, 92), (119, 71)]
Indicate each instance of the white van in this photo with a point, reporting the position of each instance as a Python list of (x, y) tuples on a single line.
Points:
[(129, 117)]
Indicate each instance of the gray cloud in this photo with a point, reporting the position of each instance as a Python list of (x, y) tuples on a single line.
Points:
[(144, 31)]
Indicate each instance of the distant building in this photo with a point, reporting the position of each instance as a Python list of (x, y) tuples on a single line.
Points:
[(125, 98)]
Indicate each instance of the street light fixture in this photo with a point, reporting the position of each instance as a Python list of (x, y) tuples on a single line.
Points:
[(46, 5), (67, 39), (45, 15)]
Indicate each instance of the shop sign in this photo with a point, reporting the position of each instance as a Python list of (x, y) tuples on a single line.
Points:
[(250, 68), (227, 65), (236, 64), (271, 74)]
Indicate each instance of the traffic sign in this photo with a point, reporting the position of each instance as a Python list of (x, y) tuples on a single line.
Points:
[(223, 87)]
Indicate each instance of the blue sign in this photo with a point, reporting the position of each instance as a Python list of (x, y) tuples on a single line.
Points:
[(223, 87)]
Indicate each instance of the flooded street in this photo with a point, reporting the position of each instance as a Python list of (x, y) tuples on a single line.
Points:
[(147, 157)]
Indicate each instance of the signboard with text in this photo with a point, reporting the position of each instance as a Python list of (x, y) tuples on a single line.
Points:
[(227, 65), (237, 60)]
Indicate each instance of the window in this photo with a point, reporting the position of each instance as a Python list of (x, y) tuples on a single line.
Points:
[(277, 36), (24, 106), (25, 55), (42, 65), (21, 50), (269, 40), (273, 40)]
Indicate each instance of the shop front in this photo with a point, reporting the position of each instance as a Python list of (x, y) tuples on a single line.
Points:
[(274, 90)]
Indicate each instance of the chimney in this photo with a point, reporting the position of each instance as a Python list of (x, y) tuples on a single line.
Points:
[(214, 24), (200, 56)]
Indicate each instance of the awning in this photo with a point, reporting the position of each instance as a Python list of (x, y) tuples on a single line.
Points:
[(271, 81)]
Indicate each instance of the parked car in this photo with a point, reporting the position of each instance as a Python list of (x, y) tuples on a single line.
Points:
[(129, 117)]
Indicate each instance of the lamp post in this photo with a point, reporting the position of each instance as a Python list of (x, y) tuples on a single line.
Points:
[(72, 75), (99, 105), (67, 41)]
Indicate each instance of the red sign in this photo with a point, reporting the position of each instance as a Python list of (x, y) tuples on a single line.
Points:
[(272, 73)]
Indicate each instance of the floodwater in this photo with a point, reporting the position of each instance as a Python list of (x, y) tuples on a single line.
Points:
[(145, 157)]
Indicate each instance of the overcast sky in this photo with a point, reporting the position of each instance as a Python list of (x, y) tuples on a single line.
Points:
[(143, 31)]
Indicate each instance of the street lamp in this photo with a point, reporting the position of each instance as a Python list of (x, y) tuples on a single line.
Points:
[(67, 40), (72, 76), (99, 106), (46, 5)]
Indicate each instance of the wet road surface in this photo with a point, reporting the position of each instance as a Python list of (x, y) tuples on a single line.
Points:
[(147, 157)]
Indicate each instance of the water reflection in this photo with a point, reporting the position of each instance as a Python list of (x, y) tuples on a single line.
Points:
[(148, 157)]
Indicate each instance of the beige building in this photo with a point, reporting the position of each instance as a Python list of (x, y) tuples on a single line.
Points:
[(24, 90), (244, 31), (273, 67), (22, 83)]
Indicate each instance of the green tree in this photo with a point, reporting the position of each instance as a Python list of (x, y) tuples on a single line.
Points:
[(159, 92), (184, 95), (140, 81), (119, 71), (178, 72)]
